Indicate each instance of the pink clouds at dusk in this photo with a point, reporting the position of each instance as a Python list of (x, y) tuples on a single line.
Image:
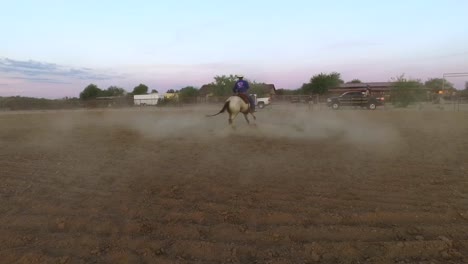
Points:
[(56, 48), (45, 79)]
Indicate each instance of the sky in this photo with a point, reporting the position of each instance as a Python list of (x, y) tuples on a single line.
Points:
[(54, 49)]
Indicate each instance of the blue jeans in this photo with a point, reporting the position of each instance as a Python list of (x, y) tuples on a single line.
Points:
[(252, 103)]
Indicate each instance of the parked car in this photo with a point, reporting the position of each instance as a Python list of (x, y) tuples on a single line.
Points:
[(355, 98)]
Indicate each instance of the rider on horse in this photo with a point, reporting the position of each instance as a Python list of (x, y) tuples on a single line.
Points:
[(240, 88)]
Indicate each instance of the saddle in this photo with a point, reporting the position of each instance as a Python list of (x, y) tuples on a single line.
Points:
[(245, 98)]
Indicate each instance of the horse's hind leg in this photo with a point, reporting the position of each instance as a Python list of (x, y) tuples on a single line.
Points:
[(254, 117), (232, 116), (231, 123), (247, 118)]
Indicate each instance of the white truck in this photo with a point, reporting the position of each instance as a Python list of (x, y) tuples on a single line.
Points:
[(147, 99), (262, 101)]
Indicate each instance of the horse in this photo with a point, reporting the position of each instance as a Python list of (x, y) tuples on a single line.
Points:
[(235, 105)]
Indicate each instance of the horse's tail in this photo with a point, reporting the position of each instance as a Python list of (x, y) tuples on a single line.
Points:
[(226, 105)]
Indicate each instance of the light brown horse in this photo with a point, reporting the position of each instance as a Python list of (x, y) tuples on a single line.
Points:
[(235, 105)]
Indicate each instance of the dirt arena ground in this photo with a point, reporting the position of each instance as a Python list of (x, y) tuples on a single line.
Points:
[(171, 186)]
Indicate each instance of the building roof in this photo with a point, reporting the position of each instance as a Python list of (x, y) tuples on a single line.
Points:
[(364, 85), (206, 89), (270, 88), (109, 97)]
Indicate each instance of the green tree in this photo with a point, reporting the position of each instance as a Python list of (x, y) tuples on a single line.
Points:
[(406, 91), (171, 91), (154, 91), (306, 88), (91, 91), (258, 89), (188, 93), (282, 91), (437, 84), (222, 85), (355, 81), (464, 93), (140, 89), (113, 91), (319, 84)]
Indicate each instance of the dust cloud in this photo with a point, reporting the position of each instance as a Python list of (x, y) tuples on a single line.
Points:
[(294, 123), (286, 123)]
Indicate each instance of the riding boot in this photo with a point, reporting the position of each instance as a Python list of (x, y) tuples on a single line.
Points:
[(252, 108)]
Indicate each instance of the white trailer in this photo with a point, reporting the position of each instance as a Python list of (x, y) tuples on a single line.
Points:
[(146, 99)]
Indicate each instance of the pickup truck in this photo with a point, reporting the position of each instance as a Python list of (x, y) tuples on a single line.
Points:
[(355, 98), (261, 102)]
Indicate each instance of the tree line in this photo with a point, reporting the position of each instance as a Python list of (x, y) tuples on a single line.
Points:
[(221, 86), (92, 91), (405, 90)]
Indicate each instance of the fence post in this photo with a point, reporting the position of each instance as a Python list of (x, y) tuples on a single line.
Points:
[(318, 102), (453, 102)]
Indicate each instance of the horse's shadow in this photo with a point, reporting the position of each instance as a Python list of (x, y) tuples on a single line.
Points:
[(249, 126)]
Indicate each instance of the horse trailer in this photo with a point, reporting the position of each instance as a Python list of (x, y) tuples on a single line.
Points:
[(147, 99)]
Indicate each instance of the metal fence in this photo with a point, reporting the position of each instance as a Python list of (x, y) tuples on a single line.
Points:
[(311, 101), (25, 103)]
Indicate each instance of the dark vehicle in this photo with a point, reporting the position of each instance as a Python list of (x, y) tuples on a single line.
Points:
[(355, 99)]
